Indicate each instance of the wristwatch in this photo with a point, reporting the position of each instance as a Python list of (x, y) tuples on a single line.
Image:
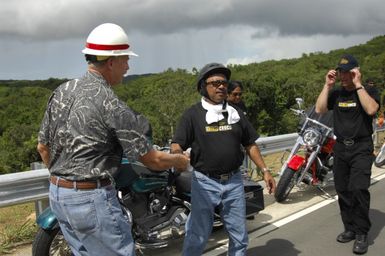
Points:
[(265, 170), (359, 88)]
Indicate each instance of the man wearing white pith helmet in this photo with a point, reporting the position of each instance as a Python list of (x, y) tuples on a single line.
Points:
[(84, 133)]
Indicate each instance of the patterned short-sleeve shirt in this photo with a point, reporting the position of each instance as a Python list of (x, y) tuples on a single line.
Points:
[(87, 129)]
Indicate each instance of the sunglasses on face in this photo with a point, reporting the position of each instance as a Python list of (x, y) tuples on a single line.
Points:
[(217, 83)]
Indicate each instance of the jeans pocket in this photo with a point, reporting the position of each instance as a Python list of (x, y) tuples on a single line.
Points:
[(81, 214)]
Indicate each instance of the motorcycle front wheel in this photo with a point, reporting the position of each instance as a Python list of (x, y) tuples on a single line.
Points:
[(285, 184), (380, 158)]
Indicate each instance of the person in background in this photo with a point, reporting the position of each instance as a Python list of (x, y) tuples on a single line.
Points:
[(234, 95), (215, 132), (354, 107), (380, 120), (369, 82), (83, 135)]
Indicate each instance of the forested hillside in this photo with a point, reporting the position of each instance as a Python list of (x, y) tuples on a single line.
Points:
[(270, 90)]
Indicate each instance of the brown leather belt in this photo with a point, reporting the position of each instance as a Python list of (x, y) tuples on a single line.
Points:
[(79, 184)]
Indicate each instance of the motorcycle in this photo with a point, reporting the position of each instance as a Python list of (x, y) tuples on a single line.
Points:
[(155, 203), (380, 158), (311, 158)]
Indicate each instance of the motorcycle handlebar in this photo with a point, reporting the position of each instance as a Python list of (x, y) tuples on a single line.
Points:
[(298, 112)]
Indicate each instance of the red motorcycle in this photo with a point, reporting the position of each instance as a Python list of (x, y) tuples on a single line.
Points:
[(311, 159)]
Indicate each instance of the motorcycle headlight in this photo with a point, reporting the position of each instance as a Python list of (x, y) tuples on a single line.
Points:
[(311, 137)]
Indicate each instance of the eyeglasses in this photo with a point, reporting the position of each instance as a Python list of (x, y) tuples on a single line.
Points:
[(236, 94), (218, 83)]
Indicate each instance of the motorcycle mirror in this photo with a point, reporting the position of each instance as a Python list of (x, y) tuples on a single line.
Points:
[(299, 102)]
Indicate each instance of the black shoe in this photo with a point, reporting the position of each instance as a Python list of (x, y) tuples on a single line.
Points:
[(346, 236), (361, 244)]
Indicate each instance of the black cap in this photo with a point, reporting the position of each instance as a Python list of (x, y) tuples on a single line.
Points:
[(211, 69), (347, 63)]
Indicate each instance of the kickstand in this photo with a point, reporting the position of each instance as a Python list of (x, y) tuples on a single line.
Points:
[(326, 193)]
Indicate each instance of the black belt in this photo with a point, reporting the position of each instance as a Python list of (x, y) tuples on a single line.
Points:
[(351, 142), (60, 182), (222, 177)]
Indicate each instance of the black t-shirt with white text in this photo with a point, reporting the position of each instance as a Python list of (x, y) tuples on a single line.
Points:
[(215, 148)]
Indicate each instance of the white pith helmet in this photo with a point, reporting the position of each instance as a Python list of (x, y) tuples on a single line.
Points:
[(108, 39)]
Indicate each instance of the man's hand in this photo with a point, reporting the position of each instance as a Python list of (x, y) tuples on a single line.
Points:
[(356, 77), (177, 150), (330, 78), (270, 182), (182, 162)]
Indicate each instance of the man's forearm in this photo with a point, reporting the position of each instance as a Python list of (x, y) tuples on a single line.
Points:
[(158, 160), (321, 104), (369, 105), (255, 155), (44, 153)]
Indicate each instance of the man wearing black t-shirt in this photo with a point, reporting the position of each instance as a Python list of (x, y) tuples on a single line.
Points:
[(215, 132), (354, 107)]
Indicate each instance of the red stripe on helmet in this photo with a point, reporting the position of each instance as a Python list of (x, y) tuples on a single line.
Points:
[(107, 47)]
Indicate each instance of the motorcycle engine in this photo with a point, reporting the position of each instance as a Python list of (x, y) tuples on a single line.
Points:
[(155, 231), (157, 203), (136, 204)]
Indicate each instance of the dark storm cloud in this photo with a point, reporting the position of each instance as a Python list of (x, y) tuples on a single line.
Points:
[(52, 20), (179, 33)]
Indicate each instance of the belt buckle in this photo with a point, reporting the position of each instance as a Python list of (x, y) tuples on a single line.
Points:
[(348, 142), (224, 177)]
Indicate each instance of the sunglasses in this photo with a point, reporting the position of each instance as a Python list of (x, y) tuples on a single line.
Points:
[(236, 94), (217, 83)]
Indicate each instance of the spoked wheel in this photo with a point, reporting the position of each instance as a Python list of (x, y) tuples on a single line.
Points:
[(380, 159)]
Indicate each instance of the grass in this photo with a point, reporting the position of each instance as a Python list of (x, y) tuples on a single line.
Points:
[(273, 162), (17, 226)]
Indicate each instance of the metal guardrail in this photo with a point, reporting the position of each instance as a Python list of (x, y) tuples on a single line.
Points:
[(23, 187), (278, 143), (32, 186), (29, 186)]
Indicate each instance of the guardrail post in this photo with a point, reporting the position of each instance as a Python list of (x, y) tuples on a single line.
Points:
[(40, 205)]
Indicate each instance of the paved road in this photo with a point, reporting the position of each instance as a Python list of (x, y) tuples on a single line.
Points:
[(306, 224), (313, 230)]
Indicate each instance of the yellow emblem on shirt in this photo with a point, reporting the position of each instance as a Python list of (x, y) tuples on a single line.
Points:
[(347, 104), (218, 128)]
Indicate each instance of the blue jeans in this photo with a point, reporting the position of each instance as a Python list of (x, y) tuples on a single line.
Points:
[(206, 194), (92, 221)]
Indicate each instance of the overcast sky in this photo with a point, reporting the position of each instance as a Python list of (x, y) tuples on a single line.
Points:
[(40, 39)]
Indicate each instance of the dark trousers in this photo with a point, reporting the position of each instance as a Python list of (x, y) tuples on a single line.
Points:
[(352, 171)]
